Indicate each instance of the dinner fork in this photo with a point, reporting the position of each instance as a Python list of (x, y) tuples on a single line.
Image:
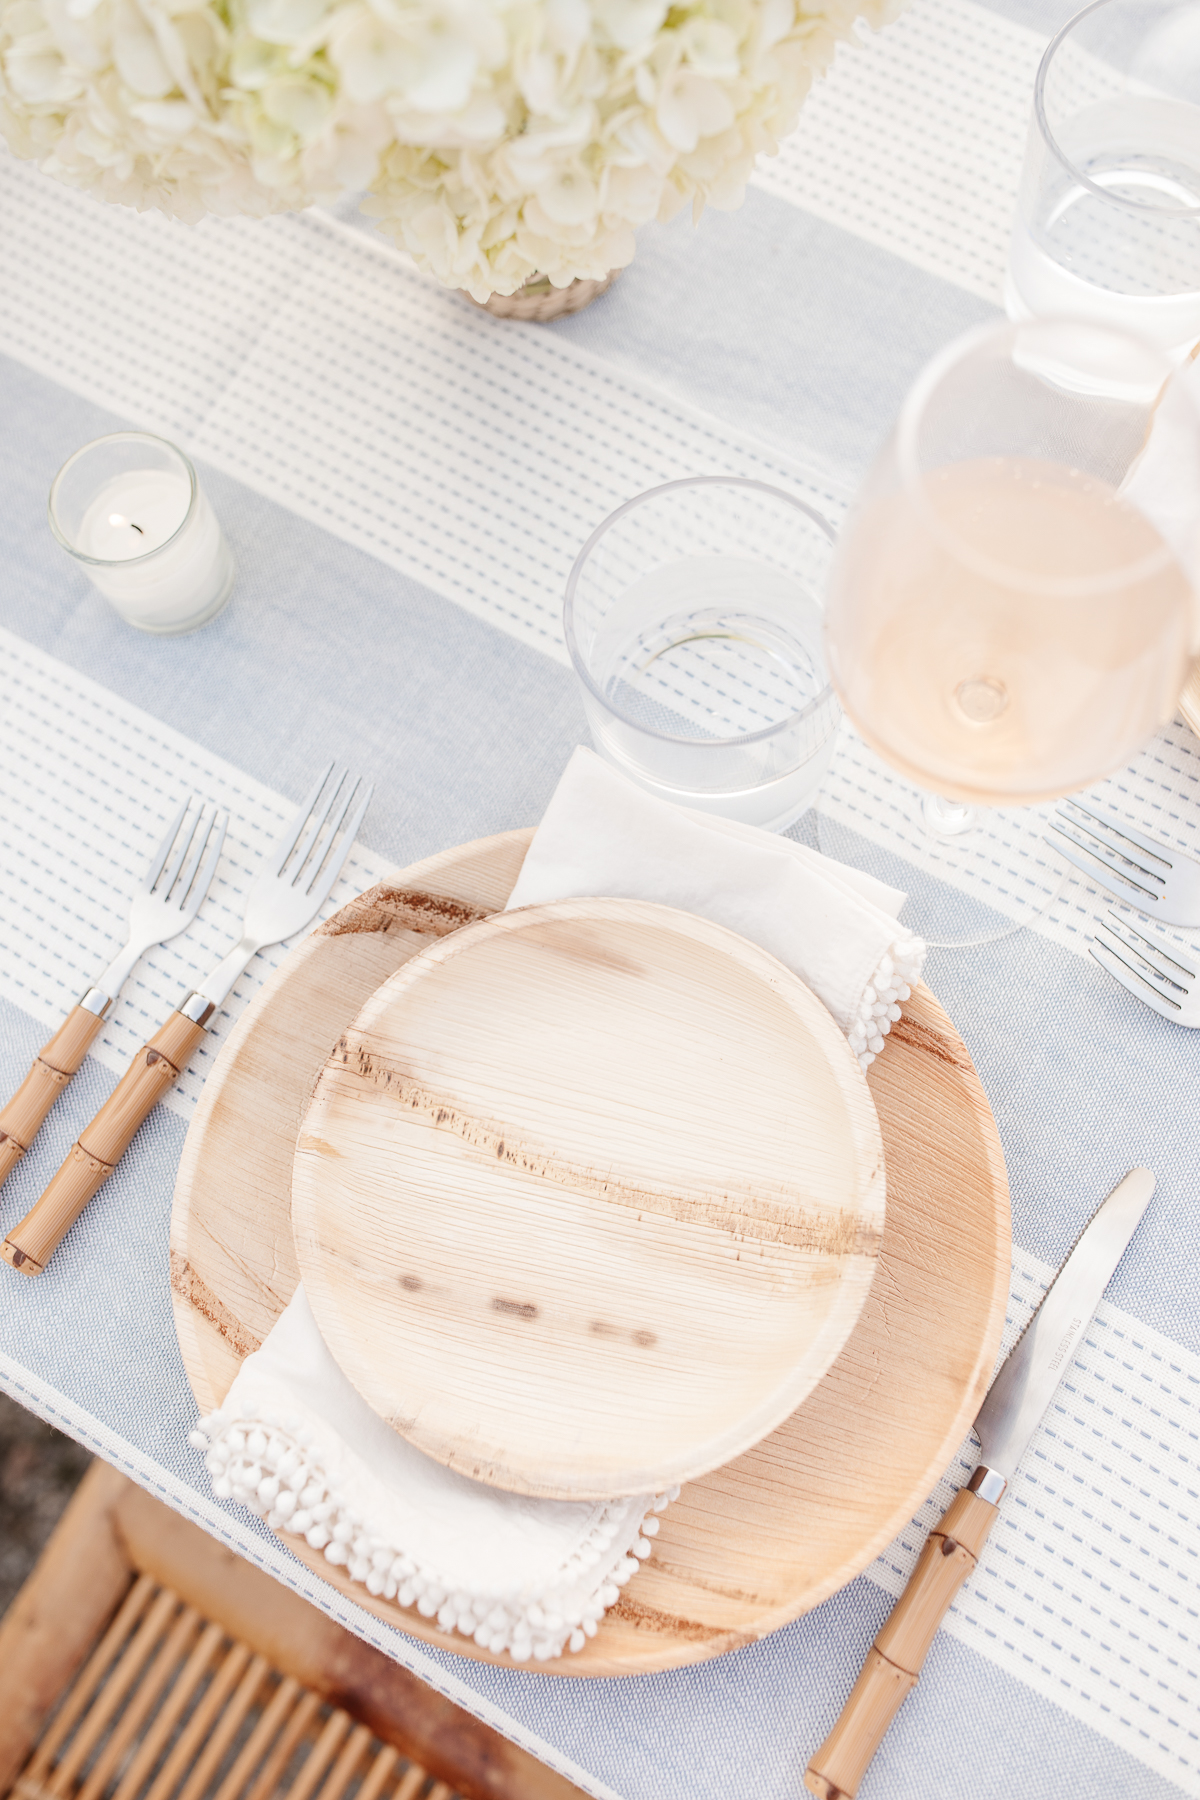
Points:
[(303, 867), (177, 879), (1143, 872), (1151, 972)]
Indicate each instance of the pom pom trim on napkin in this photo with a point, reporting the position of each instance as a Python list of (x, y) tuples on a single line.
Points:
[(275, 1468), (891, 984)]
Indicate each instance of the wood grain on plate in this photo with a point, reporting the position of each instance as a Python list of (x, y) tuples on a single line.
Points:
[(771, 1534), (588, 1198)]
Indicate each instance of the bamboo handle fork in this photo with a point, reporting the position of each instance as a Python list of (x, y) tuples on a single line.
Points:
[(178, 878), (302, 869)]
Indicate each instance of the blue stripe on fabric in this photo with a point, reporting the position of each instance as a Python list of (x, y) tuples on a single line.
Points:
[(776, 322)]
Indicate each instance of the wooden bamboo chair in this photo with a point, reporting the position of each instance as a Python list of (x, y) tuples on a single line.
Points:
[(144, 1661)]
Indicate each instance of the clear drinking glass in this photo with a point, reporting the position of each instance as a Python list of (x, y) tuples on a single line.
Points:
[(130, 510), (1108, 222), (1011, 612), (693, 619)]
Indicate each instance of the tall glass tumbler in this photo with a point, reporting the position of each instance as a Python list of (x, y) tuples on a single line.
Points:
[(1108, 221), (693, 619)]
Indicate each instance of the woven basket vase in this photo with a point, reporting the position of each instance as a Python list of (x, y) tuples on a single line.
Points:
[(540, 301)]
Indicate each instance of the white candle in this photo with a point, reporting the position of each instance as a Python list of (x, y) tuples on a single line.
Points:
[(130, 509)]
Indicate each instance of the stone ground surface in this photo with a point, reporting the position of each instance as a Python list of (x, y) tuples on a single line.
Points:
[(39, 1471)]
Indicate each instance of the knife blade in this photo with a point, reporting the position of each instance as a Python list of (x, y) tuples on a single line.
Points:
[(1028, 1379), (1013, 1408)]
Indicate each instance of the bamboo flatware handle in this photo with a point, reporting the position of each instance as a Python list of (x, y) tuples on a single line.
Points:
[(101, 1145), (894, 1661), (53, 1067)]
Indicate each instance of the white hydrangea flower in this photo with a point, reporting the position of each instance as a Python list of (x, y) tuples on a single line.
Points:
[(498, 139)]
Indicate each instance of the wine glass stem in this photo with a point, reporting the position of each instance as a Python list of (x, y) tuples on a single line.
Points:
[(948, 818)]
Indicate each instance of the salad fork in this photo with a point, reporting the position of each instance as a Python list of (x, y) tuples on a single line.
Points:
[(1151, 972), (284, 898), (1141, 871), (178, 878)]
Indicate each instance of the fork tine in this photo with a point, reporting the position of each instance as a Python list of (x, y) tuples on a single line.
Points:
[(324, 878), (164, 849), (1117, 847), (291, 837), (337, 782), (1152, 951), (186, 837), (1129, 978), (1143, 964), (1114, 879), (329, 836), (181, 878), (1160, 852), (216, 842), (200, 837)]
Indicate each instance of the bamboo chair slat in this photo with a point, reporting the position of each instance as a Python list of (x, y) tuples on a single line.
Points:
[(379, 1774), (344, 1769), (284, 1748), (138, 1599), (274, 1717), (229, 1672), (162, 1664), (174, 1706), (336, 1728), (26, 1787), (112, 1692), (411, 1783), (226, 1728)]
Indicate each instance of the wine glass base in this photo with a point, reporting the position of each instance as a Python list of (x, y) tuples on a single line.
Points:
[(982, 875)]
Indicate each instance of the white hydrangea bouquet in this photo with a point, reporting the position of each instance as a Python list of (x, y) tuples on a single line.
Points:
[(498, 140)]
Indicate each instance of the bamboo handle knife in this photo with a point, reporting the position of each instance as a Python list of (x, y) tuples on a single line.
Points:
[(894, 1660), (1011, 1412)]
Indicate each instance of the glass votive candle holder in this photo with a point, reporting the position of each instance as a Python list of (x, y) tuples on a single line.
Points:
[(693, 618), (131, 512)]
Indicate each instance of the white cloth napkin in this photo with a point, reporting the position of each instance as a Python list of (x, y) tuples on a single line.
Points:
[(833, 926), (295, 1442)]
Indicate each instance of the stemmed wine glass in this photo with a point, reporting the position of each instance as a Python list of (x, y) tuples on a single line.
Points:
[(1007, 619)]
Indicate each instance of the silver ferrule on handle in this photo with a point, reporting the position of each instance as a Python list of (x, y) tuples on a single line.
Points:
[(97, 1000), (989, 1484), (198, 1008)]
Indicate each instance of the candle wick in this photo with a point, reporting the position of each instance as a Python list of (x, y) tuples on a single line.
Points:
[(138, 529)]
